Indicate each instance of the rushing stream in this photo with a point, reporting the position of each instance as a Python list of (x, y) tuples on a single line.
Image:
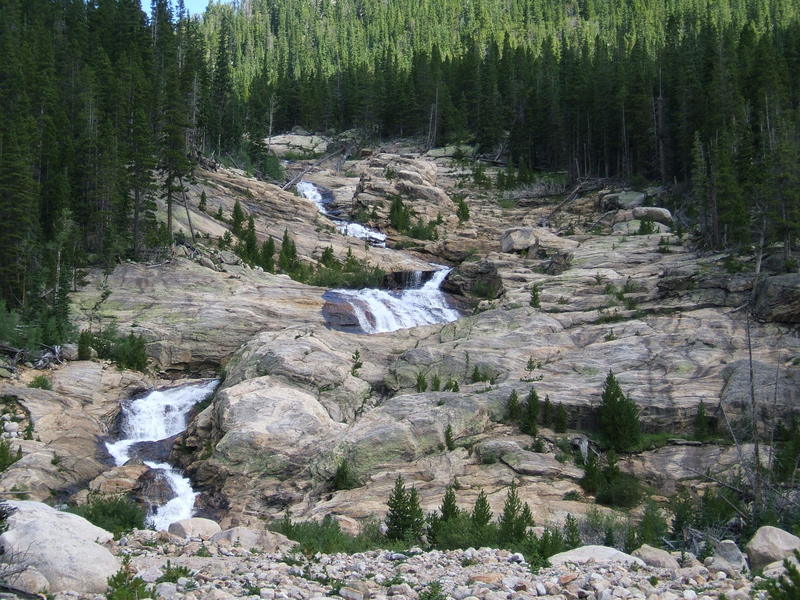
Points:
[(380, 311), (356, 230), (158, 416)]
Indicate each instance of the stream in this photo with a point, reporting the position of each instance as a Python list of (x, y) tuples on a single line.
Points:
[(373, 310), (145, 421)]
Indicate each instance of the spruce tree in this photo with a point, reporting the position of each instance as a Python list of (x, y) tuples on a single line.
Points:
[(619, 417), (449, 442), (513, 408), (237, 219), (531, 416), (572, 536), (397, 518), (267, 255), (481, 514), (560, 421)]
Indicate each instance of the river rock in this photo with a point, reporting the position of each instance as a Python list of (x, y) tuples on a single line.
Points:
[(196, 527), (477, 278), (67, 550), (655, 557), (778, 299), (594, 554), (249, 539), (153, 489), (770, 544), (653, 213)]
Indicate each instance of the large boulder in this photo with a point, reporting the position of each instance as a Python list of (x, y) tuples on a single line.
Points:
[(65, 549), (594, 554), (195, 527), (653, 213), (624, 200), (250, 539), (770, 544), (479, 278), (778, 299), (655, 557), (534, 240)]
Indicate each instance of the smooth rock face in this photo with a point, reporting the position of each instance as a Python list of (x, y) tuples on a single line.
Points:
[(770, 544), (597, 554), (195, 527), (65, 549), (655, 557), (778, 299)]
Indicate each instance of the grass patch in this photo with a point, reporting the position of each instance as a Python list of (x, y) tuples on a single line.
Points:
[(41, 382), (328, 538)]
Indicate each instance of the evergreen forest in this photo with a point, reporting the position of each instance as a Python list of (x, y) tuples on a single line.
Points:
[(107, 107)]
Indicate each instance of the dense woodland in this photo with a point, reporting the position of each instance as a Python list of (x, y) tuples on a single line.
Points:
[(105, 108)]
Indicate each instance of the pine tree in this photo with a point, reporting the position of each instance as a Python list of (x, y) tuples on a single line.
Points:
[(287, 258), (397, 518), (267, 256), (547, 412), (449, 442), (515, 519), (619, 417), (560, 421), (481, 514), (513, 408), (449, 509), (701, 429), (572, 536), (237, 219), (652, 527), (531, 416)]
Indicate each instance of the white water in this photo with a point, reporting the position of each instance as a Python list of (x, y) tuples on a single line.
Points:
[(157, 416), (380, 311), (356, 230)]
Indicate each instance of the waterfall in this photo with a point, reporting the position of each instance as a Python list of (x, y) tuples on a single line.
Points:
[(158, 416), (357, 230), (380, 311)]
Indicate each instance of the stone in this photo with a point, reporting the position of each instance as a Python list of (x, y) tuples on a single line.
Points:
[(729, 552), (69, 351), (777, 299), (624, 200), (632, 227), (655, 557), (770, 544), (10, 427), (30, 580), (488, 578), (196, 527), (65, 549), (166, 590), (536, 241), (653, 213), (594, 554), (250, 539), (349, 593)]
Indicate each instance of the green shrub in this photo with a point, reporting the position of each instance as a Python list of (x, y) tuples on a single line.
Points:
[(786, 587), (560, 420), (172, 574), (128, 352), (344, 478), (652, 527), (646, 227), (85, 345), (41, 382), (328, 538), (7, 457), (449, 442), (123, 585), (115, 514), (421, 384), (535, 301)]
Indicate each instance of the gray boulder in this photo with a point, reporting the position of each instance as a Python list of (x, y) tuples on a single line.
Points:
[(778, 299), (655, 557), (624, 200), (64, 549), (195, 527), (251, 539), (769, 545), (594, 554), (655, 214)]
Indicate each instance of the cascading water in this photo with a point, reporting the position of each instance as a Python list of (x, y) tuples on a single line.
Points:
[(158, 416), (356, 230), (380, 311)]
